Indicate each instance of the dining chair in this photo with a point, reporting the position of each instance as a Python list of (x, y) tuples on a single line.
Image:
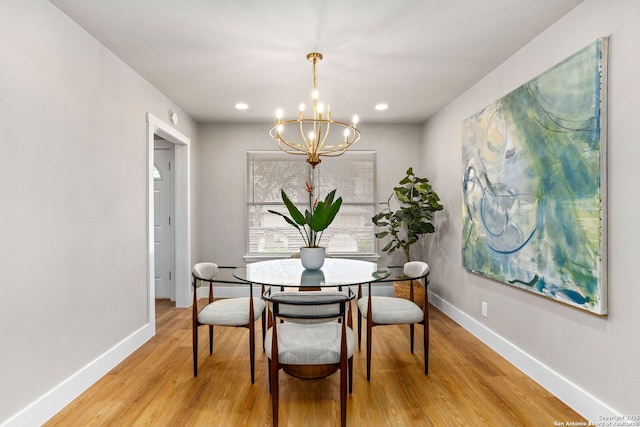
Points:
[(238, 312), (315, 340), (382, 310)]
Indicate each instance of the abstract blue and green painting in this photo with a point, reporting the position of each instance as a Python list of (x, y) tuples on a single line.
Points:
[(534, 184)]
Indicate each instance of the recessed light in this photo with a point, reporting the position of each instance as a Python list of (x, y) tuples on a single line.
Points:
[(381, 107), (241, 106)]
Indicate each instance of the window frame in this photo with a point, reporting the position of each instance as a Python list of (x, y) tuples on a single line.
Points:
[(249, 201)]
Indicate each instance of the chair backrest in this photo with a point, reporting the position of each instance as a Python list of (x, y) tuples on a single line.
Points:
[(415, 269), (204, 271), (309, 306)]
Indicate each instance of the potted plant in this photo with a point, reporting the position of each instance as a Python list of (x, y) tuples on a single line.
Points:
[(311, 224), (413, 218)]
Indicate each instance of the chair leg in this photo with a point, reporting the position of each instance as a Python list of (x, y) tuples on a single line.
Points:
[(369, 334), (426, 341), (264, 329), (359, 329), (274, 393), (210, 339), (350, 370), (411, 332), (269, 373), (252, 350), (343, 395), (195, 351)]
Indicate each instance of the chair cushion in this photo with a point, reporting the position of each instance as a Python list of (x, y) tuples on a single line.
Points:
[(205, 270), (309, 344), (416, 268), (231, 312), (391, 311)]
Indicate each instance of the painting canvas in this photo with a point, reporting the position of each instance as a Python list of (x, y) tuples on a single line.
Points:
[(534, 184)]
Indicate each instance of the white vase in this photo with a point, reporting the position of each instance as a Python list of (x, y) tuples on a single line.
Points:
[(312, 258)]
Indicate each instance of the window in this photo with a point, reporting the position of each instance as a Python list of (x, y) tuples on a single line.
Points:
[(353, 175)]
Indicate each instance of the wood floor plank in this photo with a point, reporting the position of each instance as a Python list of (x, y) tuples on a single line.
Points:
[(468, 384)]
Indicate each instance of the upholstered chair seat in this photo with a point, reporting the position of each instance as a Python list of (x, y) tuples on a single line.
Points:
[(391, 310), (231, 312)]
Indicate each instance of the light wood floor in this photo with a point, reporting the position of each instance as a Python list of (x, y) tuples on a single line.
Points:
[(468, 384)]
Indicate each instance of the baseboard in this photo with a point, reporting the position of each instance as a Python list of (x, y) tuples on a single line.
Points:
[(45, 407), (578, 399)]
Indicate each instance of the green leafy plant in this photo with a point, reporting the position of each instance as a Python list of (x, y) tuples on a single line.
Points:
[(418, 203), (315, 219)]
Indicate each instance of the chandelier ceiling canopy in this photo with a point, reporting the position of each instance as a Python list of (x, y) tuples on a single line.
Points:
[(310, 136)]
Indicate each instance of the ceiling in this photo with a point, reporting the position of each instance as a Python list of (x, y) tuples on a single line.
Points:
[(414, 55)]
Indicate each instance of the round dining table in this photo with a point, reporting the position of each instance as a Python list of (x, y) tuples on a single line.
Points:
[(289, 272)]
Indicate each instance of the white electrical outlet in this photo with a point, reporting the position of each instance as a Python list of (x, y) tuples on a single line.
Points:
[(485, 309)]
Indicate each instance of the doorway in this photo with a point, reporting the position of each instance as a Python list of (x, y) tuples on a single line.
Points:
[(156, 128), (163, 218)]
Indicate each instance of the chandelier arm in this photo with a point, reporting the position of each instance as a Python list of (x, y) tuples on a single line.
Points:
[(317, 130), (335, 153), (296, 148), (304, 138), (299, 149), (321, 135), (278, 137), (334, 148), (303, 148), (293, 150), (343, 146), (326, 134)]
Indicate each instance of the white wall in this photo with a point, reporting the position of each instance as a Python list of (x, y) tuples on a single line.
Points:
[(222, 161), (73, 188), (599, 355)]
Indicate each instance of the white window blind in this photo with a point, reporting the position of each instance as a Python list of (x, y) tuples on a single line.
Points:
[(353, 175)]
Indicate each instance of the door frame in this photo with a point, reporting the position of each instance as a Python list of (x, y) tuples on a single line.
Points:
[(182, 240)]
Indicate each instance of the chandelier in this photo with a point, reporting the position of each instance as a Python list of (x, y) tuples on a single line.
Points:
[(313, 140)]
